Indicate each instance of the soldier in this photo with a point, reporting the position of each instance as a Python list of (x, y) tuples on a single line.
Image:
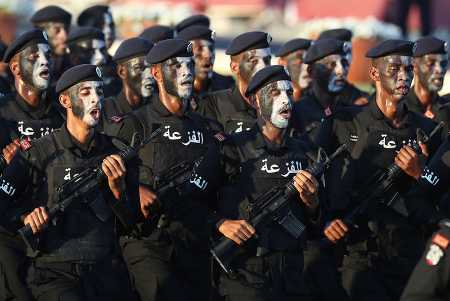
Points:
[(138, 84), (100, 17), (74, 255), (385, 241), (249, 53), (201, 20), (270, 266), (6, 78), (203, 42), (170, 261), (55, 21), (157, 33), (291, 56), (430, 66), (87, 46)]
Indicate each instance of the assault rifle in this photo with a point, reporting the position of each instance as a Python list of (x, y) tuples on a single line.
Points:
[(381, 188), (83, 184), (273, 206)]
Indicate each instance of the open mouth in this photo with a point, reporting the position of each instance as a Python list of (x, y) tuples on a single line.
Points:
[(186, 83), (285, 112), (95, 113), (437, 80), (403, 89), (45, 74)]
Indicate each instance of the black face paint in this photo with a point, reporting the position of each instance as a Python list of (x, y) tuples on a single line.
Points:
[(252, 61), (178, 76), (431, 70), (34, 66), (86, 99), (139, 77), (331, 72), (89, 52), (396, 74), (57, 33), (275, 101), (204, 56), (296, 69)]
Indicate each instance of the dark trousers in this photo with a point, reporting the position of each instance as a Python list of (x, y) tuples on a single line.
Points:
[(275, 276), (403, 8), (13, 264), (78, 282), (163, 270)]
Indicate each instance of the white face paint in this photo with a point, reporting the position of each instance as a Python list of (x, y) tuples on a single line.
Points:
[(339, 74), (184, 80), (304, 79), (89, 103), (99, 57), (148, 82), (260, 54), (107, 28), (282, 105), (41, 74)]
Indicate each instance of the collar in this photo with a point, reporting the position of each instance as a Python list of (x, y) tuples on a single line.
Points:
[(159, 108), (37, 112), (122, 103), (378, 114), (239, 103), (261, 142), (70, 143), (414, 103)]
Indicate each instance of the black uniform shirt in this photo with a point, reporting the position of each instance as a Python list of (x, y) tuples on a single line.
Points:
[(27, 121), (230, 109), (218, 82)]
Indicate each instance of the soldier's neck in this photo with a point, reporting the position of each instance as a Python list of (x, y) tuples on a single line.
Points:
[(172, 103), (242, 86), (272, 133), (31, 95), (133, 99), (80, 131), (424, 95), (389, 106), (200, 84), (297, 92)]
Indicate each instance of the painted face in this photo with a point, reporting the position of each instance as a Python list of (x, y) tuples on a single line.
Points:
[(89, 52), (204, 57), (178, 77), (332, 72), (396, 74), (252, 61), (348, 53), (87, 99), (431, 70), (139, 77), (109, 29), (57, 36), (275, 101), (297, 70), (34, 66)]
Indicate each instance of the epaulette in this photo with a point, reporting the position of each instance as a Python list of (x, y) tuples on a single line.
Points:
[(220, 136), (25, 144), (117, 118)]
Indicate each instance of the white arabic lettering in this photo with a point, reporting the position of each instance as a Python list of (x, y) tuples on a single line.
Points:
[(173, 136), (390, 144), (293, 168), (198, 181), (273, 168), (8, 188), (430, 176)]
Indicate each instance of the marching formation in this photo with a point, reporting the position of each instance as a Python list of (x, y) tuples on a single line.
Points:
[(146, 175)]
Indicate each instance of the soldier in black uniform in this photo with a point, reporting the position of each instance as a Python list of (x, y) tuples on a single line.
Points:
[(157, 33), (430, 66), (269, 267), (138, 84), (55, 21), (75, 251), (291, 56), (386, 241), (100, 17), (203, 42), (87, 46), (249, 53), (170, 262)]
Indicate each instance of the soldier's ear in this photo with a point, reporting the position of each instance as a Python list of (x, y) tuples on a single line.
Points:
[(122, 71), (64, 100), (14, 67), (156, 72), (282, 61), (234, 67), (374, 74)]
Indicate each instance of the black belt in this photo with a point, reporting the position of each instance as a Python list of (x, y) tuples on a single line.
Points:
[(76, 268)]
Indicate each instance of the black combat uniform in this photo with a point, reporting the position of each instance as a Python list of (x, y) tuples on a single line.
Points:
[(75, 255), (171, 261), (270, 267), (218, 82), (384, 248)]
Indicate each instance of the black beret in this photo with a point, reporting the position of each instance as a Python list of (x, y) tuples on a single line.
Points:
[(325, 47), (34, 36), (293, 45), (51, 13), (428, 45), (132, 48), (390, 47), (341, 34), (92, 12), (248, 41), (167, 49), (84, 33), (201, 20), (197, 32), (157, 33), (266, 76), (78, 74)]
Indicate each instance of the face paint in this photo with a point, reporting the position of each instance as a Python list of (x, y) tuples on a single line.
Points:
[(331, 72), (86, 99), (178, 77), (396, 74), (89, 52), (204, 56), (348, 53), (276, 103), (431, 70), (109, 29), (297, 70), (252, 61), (34, 66), (57, 36), (139, 77)]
